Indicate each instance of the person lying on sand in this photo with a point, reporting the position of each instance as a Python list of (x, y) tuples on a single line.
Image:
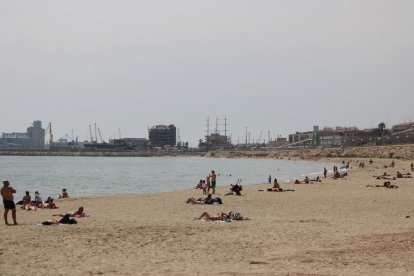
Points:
[(276, 188), (223, 216), (317, 179), (80, 213), (66, 219), (207, 200), (384, 176), (304, 181), (404, 175), (387, 184)]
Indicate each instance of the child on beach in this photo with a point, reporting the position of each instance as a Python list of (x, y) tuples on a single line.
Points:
[(208, 183), (204, 186)]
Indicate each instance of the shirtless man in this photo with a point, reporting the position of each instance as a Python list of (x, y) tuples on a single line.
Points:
[(7, 194), (213, 181)]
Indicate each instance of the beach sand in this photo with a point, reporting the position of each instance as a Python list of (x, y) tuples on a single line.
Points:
[(337, 227)]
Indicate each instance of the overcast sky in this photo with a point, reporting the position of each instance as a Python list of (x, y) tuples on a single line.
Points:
[(278, 66)]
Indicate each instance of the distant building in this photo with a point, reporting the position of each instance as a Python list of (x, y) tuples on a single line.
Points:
[(162, 135), (217, 141), (301, 137), (37, 134), (34, 138), (130, 143), (328, 137), (279, 142), (402, 127)]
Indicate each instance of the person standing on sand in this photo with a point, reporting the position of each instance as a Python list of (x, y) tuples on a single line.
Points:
[(325, 171), (208, 184), (7, 194), (204, 186), (213, 181), (412, 167)]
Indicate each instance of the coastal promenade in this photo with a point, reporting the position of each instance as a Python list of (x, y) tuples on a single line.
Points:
[(405, 151)]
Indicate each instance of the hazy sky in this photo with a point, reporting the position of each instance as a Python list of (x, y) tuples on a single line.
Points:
[(278, 66)]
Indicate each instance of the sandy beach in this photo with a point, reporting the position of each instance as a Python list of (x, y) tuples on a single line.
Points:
[(336, 227)]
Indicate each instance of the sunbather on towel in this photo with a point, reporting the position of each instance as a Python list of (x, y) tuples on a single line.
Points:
[(223, 216), (80, 213), (405, 175), (387, 184), (66, 219), (207, 200)]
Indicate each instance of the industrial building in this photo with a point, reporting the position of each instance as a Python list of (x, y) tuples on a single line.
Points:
[(33, 138), (162, 135), (217, 141), (130, 143)]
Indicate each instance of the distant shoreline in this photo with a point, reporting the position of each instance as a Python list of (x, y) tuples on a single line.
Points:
[(389, 151)]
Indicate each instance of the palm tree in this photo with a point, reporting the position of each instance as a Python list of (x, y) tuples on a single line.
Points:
[(381, 126)]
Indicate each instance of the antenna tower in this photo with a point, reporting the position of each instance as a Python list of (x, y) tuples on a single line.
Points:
[(225, 125), (246, 135), (208, 126)]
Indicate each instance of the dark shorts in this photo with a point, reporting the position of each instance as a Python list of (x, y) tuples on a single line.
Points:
[(213, 183), (9, 204)]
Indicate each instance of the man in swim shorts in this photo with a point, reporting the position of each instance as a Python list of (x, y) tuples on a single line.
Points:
[(7, 194), (213, 177)]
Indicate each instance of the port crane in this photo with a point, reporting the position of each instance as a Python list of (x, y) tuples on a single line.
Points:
[(100, 135)]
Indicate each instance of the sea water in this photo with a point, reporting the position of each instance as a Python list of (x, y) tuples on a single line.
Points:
[(89, 176)]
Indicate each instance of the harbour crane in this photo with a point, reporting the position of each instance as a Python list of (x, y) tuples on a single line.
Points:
[(100, 135)]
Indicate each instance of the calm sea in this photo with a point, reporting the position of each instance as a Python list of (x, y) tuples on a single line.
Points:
[(83, 176)]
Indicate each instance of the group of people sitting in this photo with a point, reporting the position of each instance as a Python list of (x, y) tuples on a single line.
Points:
[(32, 205), (337, 175), (308, 181)]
